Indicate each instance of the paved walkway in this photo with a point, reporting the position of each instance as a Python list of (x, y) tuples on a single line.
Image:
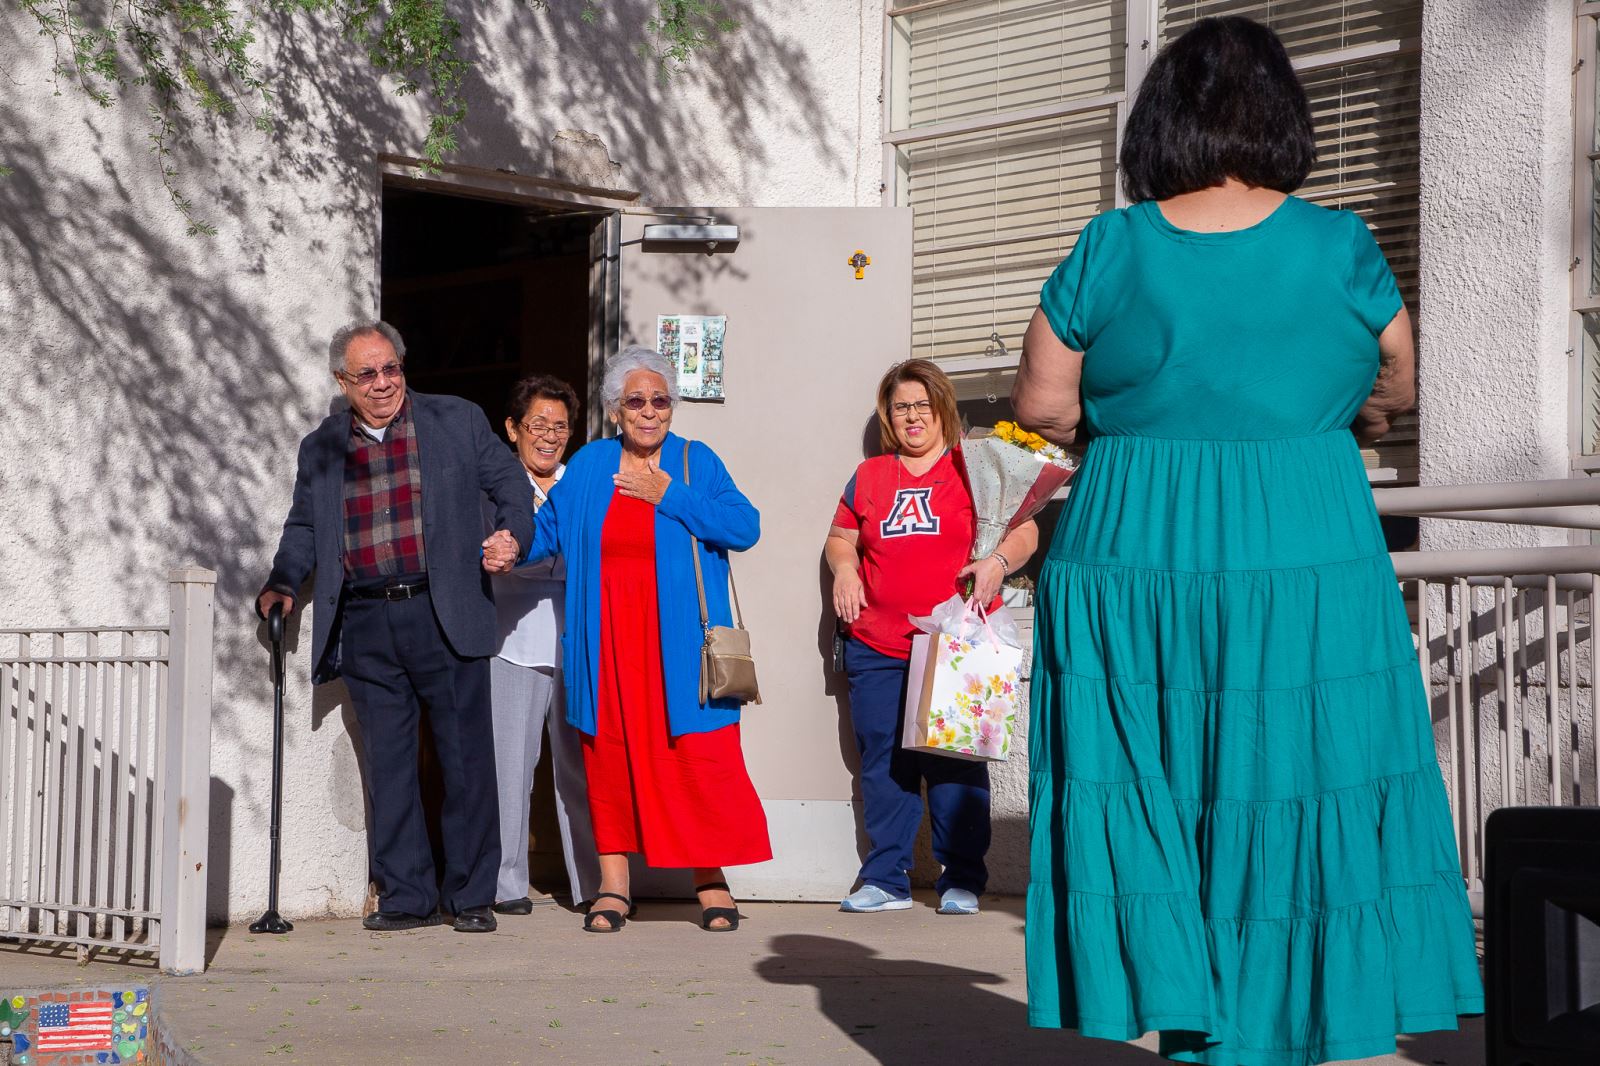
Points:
[(799, 984)]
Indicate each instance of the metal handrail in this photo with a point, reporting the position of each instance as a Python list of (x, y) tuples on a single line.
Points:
[(1573, 517), (1496, 562), (1506, 643), (1426, 499), (1571, 503)]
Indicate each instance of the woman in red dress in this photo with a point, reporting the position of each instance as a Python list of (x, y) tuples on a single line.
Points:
[(666, 773)]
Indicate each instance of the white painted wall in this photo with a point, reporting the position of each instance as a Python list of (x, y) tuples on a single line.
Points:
[(1496, 222), (1497, 142), (157, 384)]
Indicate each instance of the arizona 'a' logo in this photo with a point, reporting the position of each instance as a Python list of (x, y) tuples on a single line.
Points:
[(912, 513)]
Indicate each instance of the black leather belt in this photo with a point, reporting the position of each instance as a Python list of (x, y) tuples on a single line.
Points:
[(389, 592)]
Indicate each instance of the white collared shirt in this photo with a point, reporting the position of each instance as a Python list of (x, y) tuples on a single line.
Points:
[(530, 605)]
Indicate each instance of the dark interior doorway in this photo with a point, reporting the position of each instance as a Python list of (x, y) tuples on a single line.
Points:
[(485, 292)]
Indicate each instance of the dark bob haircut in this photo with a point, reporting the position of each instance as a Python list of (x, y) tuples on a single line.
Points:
[(540, 387), (1222, 101)]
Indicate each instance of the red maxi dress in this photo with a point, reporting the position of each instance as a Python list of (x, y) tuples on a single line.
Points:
[(679, 801)]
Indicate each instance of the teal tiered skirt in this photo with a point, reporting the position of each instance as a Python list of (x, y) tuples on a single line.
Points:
[(1240, 835)]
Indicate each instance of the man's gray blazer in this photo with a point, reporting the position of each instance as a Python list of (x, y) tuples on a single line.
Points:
[(462, 459)]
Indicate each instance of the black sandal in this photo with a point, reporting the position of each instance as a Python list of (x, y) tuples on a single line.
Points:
[(708, 915), (615, 919)]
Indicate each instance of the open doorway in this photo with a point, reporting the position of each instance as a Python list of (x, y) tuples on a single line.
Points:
[(485, 292)]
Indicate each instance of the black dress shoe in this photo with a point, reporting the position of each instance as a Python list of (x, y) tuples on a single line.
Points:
[(394, 921), (514, 906), (475, 920)]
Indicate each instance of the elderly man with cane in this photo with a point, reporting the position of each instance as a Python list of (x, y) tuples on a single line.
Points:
[(386, 515)]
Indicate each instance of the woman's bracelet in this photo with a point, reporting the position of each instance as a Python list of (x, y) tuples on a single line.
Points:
[(1005, 564)]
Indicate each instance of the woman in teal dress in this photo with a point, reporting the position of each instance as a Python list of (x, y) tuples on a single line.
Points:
[(1240, 835)]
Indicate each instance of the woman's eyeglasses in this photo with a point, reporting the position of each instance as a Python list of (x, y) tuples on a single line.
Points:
[(903, 410), (546, 429), (658, 402)]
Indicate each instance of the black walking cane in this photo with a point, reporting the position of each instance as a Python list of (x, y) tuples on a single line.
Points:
[(271, 921)]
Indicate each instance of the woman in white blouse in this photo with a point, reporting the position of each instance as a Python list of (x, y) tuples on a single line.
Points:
[(525, 674)]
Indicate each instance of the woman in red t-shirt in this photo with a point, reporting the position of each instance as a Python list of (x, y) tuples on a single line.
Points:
[(899, 546)]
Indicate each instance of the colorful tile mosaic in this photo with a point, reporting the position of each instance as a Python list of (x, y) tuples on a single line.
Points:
[(78, 1028)]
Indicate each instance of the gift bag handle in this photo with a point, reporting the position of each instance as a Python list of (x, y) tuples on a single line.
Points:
[(974, 607)]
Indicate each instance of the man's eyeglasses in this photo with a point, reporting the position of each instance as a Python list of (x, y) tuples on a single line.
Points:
[(658, 402), (370, 375), (903, 410), (546, 429)]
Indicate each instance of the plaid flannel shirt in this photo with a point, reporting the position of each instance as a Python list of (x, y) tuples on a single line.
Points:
[(383, 502)]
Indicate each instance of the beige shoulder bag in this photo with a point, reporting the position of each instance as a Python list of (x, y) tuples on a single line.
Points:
[(726, 669)]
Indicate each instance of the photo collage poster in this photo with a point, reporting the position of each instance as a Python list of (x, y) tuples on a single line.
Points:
[(693, 344)]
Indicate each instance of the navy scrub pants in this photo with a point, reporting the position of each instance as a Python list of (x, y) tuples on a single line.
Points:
[(891, 785), (395, 660)]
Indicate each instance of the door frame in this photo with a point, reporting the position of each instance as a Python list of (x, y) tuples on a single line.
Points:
[(506, 186)]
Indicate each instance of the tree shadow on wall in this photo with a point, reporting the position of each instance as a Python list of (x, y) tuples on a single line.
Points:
[(755, 81), (536, 73)]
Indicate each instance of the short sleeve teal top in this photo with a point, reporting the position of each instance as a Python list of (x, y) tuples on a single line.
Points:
[(1217, 323)]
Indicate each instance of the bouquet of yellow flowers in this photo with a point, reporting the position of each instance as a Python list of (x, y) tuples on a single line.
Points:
[(1012, 433), (1011, 473)]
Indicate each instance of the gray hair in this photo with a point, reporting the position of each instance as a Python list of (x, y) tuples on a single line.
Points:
[(340, 345), (632, 358)]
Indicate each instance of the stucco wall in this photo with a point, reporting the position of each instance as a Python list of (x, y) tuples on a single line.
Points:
[(1497, 132), (1496, 220), (158, 383)]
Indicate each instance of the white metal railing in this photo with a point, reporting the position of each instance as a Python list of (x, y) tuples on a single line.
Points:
[(1506, 645), (105, 737)]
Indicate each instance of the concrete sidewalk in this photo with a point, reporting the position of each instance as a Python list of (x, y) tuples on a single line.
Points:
[(798, 984)]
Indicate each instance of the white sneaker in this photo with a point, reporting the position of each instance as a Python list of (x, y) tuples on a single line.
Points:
[(958, 901), (870, 899)]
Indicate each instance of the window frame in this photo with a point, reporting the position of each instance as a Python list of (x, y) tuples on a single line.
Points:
[(1140, 22), (1585, 157)]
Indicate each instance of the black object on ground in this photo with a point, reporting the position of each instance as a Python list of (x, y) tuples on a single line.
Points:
[(1542, 936), (272, 921)]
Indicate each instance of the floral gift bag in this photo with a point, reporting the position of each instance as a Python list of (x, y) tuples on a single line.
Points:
[(964, 687)]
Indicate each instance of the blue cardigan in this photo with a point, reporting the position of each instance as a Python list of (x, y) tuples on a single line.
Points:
[(711, 508)]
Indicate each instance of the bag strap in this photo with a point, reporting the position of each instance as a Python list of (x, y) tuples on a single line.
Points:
[(699, 578), (974, 607)]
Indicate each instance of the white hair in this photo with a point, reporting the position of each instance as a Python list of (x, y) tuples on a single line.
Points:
[(632, 358), (339, 347)]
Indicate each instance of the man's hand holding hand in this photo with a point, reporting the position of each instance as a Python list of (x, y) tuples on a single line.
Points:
[(500, 552)]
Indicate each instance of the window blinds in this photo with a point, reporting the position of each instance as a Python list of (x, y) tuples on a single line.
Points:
[(1589, 386), (993, 213), (1307, 27), (996, 208), (990, 57)]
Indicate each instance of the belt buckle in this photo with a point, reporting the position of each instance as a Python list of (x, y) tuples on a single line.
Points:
[(398, 592)]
